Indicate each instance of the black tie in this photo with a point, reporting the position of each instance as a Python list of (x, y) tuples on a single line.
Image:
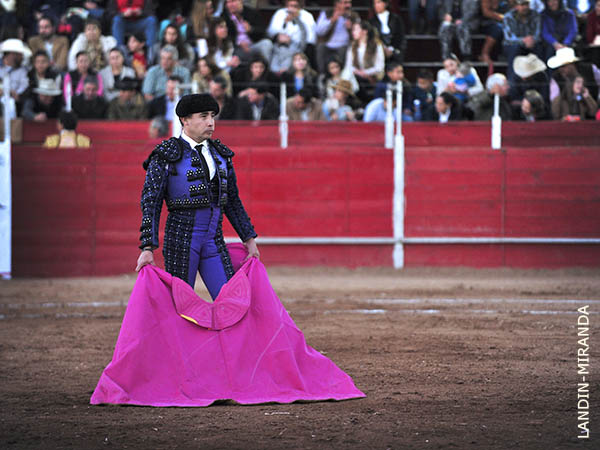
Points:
[(203, 161)]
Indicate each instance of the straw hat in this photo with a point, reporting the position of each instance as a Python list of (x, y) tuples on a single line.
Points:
[(527, 66), (15, 46), (47, 86), (344, 86), (564, 56)]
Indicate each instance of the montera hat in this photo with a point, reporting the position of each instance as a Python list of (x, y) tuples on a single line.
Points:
[(195, 103), (47, 86), (564, 56), (528, 65)]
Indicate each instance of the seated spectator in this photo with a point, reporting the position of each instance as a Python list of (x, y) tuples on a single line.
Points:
[(94, 44), (41, 70), (198, 25), (376, 110), (257, 70), (531, 73), (568, 66), (54, 46), (130, 104), (206, 71), (136, 55), (365, 60), (481, 106), (447, 108), (133, 16), (67, 136), (171, 36), (227, 105), (424, 93), (89, 104), (533, 107), (464, 81), (292, 29), (459, 20), (303, 106), (391, 30), (164, 105), (340, 108), (333, 30), (257, 104), (220, 45), (116, 70), (247, 31), (581, 9), (299, 75), (13, 51), (592, 33), (330, 78), (447, 76), (156, 78), (428, 24), (559, 27), (394, 74), (44, 103), (574, 102), (522, 35), (492, 18), (159, 128), (73, 82)]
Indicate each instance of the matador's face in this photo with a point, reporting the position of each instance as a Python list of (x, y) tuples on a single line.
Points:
[(199, 126)]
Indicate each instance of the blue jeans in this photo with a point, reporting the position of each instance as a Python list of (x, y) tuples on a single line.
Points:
[(122, 27), (430, 11)]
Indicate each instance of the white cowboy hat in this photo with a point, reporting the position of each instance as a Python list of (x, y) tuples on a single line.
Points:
[(47, 86), (15, 46), (565, 55), (527, 66)]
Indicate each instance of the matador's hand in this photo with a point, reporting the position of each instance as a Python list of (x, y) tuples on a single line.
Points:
[(146, 257), (252, 249)]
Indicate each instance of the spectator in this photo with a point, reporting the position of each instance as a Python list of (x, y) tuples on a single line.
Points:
[(533, 107), (164, 105), (424, 94), (333, 31), (94, 44), (447, 108), (574, 102), (299, 75), (447, 76), (568, 67), (136, 55), (531, 73), (395, 74), (73, 82), (459, 19), (592, 31), (303, 106), (198, 29), (257, 104), (559, 27), (365, 60), (391, 30), (157, 76), (340, 108), (67, 137), (428, 25), (492, 18), (55, 46), (13, 51), (376, 110), (41, 70), (247, 31), (130, 104), (45, 102), (463, 82), (133, 16), (89, 104), (220, 45), (206, 72), (171, 36), (481, 106), (257, 70), (330, 78), (522, 34), (116, 70), (159, 128), (227, 105), (292, 29), (581, 9)]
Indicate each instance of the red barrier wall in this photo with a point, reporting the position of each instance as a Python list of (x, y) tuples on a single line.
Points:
[(76, 212)]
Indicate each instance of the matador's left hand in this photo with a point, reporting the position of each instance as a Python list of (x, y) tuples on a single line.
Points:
[(252, 249)]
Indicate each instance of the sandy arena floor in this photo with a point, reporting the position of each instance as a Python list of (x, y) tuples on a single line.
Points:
[(448, 358)]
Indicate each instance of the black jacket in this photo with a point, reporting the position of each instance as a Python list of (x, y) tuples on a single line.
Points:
[(270, 109), (253, 17), (396, 38)]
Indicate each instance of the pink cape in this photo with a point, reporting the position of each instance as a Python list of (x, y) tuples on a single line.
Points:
[(175, 349)]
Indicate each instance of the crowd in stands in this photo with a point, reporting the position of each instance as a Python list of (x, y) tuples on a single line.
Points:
[(132, 59)]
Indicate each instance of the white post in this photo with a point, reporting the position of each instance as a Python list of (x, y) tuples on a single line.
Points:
[(496, 124), (389, 119), (283, 118), (398, 199), (68, 97), (5, 184), (175, 123)]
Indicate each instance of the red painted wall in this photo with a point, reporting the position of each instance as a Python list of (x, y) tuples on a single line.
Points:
[(76, 212)]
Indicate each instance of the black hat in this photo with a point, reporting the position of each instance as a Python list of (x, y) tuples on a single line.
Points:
[(195, 103), (127, 84)]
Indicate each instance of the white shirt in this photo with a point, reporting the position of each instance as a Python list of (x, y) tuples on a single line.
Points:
[(445, 116), (210, 162), (383, 18), (279, 25)]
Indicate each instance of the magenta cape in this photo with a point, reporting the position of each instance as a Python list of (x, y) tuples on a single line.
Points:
[(175, 349)]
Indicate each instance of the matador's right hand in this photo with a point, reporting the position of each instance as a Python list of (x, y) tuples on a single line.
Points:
[(146, 257)]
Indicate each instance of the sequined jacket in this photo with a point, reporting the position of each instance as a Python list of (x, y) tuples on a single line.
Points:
[(161, 163)]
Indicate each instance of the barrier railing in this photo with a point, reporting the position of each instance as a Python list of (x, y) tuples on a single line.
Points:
[(8, 106)]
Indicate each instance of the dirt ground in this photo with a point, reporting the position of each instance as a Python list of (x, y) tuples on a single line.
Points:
[(448, 358)]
